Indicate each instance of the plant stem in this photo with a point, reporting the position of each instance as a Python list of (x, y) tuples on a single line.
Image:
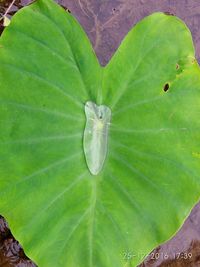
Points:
[(8, 9)]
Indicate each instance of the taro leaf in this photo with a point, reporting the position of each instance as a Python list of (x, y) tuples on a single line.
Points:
[(61, 213)]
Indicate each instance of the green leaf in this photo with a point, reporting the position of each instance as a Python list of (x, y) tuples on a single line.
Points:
[(61, 213)]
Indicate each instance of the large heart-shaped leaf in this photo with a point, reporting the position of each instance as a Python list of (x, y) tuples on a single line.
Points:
[(147, 178)]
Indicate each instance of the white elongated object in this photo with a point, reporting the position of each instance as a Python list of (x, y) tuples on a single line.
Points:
[(95, 140)]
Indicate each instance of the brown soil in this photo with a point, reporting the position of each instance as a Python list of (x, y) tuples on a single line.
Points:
[(106, 23)]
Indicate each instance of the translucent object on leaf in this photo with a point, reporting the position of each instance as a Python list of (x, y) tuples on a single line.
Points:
[(95, 140)]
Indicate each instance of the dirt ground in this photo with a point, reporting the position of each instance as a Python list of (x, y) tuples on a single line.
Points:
[(106, 23)]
